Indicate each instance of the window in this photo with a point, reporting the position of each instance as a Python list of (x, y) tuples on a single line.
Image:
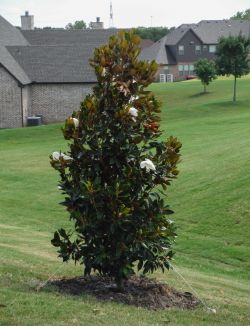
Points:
[(191, 69), (205, 48), (181, 68), (166, 69), (181, 49), (212, 48), (197, 49), (186, 69)]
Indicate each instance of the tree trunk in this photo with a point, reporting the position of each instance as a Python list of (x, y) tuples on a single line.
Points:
[(234, 98), (119, 283), (205, 90)]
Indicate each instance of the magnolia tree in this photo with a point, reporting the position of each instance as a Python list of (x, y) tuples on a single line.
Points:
[(114, 169)]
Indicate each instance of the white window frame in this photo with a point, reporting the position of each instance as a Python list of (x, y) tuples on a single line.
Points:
[(197, 49), (212, 48), (181, 49), (181, 70)]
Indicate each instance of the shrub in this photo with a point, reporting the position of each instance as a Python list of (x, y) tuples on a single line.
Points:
[(114, 164), (205, 71)]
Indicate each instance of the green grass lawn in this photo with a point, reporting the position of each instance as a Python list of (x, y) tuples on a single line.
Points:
[(210, 199)]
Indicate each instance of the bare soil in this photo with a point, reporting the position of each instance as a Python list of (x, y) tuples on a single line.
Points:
[(138, 291)]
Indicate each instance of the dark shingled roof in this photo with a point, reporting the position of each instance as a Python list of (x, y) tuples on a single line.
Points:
[(68, 37), (9, 35), (55, 64), (159, 52), (145, 43), (208, 31), (50, 56), (177, 34), (7, 61)]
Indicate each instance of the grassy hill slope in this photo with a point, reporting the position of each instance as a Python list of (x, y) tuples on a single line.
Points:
[(210, 199)]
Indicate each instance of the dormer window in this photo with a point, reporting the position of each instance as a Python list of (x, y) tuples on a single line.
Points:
[(181, 49), (197, 49)]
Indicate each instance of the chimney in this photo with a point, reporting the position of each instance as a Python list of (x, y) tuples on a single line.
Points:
[(27, 21), (97, 24)]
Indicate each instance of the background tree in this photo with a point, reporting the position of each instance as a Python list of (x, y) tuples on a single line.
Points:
[(232, 57), (78, 24), (152, 33), (205, 71), (245, 15), (114, 164)]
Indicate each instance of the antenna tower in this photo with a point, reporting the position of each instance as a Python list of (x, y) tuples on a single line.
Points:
[(111, 16)]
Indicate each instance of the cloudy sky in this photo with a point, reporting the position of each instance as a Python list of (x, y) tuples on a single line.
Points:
[(127, 13)]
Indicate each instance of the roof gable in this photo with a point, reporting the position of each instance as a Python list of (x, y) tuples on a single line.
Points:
[(185, 33), (12, 66), (10, 35)]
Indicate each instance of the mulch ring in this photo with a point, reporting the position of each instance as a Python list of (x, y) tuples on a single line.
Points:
[(138, 291)]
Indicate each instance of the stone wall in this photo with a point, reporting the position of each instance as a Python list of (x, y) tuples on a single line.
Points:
[(55, 102), (10, 101)]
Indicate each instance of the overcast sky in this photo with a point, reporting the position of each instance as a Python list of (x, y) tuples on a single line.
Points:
[(127, 13)]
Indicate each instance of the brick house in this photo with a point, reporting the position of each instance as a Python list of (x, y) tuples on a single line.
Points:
[(177, 52), (44, 71)]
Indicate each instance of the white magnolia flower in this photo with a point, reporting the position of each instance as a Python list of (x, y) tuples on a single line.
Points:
[(148, 164), (66, 157), (133, 112), (133, 98), (56, 156), (76, 122)]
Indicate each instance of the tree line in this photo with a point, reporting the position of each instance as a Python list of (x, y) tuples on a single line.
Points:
[(153, 33)]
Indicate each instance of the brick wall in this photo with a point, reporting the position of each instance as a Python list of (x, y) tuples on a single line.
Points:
[(55, 102), (167, 69), (26, 103), (10, 101)]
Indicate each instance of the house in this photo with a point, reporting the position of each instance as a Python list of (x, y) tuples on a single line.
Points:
[(44, 71), (177, 52)]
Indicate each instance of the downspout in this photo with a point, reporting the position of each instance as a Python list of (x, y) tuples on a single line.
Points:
[(22, 113)]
